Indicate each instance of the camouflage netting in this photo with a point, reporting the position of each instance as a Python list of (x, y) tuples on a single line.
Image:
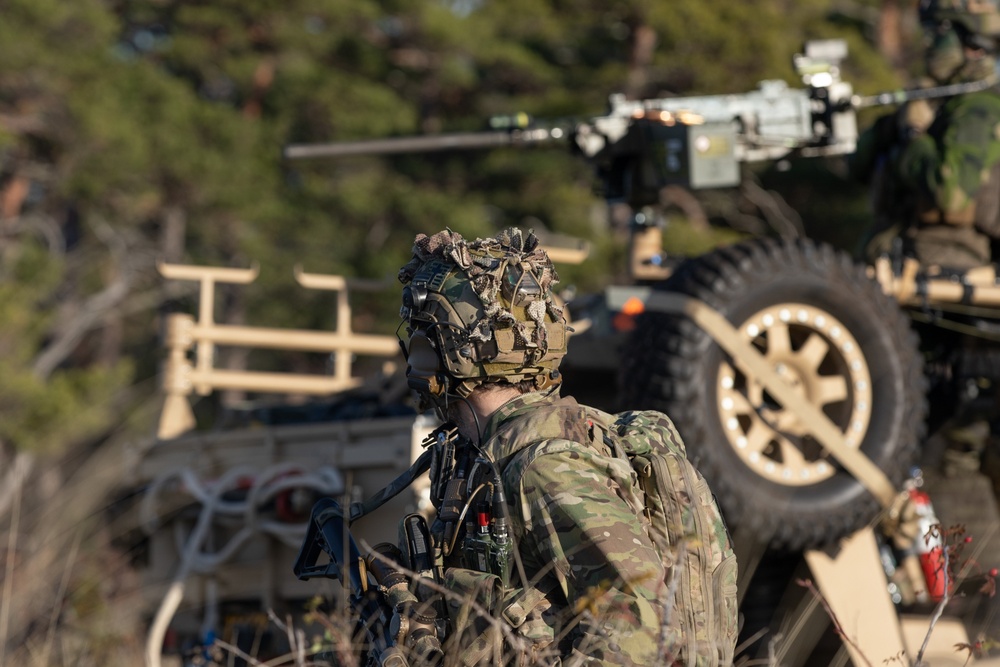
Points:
[(485, 263)]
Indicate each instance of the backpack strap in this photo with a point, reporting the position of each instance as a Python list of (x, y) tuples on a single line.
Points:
[(587, 428), (609, 436)]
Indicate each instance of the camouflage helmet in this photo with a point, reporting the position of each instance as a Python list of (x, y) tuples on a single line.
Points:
[(479, 311), (953, 26), (977, 18)]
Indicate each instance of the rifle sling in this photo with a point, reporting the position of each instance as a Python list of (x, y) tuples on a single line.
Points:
[(419, 467)]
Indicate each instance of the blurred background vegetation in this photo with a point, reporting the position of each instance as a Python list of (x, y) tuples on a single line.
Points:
[(133, 131)]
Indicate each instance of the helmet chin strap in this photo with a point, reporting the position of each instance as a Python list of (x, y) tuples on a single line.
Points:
[(475, 419), (442, 402), (443, 409)]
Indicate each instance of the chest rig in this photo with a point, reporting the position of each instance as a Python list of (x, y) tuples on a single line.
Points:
[(471, 528)]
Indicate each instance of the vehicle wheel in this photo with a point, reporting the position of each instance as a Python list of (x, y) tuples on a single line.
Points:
[(828, 330)]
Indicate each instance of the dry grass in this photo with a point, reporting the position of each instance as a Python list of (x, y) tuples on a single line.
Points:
[(68, 597)]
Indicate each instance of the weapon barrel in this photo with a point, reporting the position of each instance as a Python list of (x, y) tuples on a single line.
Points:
[(460, 141), (900, 96), (420, 144)]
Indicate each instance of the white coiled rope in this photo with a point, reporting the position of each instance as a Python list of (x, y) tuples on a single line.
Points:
[(266, 485)]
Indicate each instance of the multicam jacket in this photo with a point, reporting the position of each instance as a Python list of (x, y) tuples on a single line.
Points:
[(583, 547)]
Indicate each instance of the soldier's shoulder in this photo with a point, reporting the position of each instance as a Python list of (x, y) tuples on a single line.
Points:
[(984, 100)]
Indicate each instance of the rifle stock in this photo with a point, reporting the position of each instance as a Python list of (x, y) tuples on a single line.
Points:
[(396, 623)]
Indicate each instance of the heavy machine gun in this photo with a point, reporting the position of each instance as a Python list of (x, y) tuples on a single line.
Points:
[(640, 146)]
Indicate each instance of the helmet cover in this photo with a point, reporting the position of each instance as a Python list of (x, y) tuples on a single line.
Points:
[(479, 311)]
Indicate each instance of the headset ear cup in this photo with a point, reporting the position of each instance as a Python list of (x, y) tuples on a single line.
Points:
[(423, 371)]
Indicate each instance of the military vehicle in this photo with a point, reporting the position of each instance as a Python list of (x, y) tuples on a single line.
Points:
[(796, 375)]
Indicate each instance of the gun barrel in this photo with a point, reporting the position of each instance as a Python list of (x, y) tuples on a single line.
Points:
[(459, 141), (900, 96)]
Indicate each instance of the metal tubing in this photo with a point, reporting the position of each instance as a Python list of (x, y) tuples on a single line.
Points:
[(326, 281), (567, 255), (951, 292), (272, 382), (181, 377), (295, 339), (217, 274)]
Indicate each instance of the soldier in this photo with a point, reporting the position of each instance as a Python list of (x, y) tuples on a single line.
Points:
[(590, 586), (936, 172)]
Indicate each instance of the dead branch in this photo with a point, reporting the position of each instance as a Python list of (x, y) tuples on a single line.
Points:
[(92, 311), (811, 587), (13, 479), (782, 217)]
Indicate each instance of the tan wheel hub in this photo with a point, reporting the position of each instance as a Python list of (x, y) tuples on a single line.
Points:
[(819, 357)]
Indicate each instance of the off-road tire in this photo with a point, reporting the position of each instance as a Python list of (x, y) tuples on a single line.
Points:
[(817, 317)]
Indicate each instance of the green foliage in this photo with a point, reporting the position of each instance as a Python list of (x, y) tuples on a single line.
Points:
[(682, 239), (150, 110), (42, 413)]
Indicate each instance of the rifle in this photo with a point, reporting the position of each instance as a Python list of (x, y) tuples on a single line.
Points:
[(639, 147), (399, 627), (405, 620)]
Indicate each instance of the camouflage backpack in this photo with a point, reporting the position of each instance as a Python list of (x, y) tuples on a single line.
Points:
[(700, 622)]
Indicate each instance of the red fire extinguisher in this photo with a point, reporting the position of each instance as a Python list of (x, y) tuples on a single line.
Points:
[(929, 545)]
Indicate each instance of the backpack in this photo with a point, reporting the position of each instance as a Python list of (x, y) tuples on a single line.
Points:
[(700, 622), (689, 532)]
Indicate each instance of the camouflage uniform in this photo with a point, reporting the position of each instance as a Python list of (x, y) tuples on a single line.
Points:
[(574, 519), (593, 585), (937, 188), (954, 172)]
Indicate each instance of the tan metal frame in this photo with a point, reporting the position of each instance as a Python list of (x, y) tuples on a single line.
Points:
[(184, 334), (917, 285), (645, 245), (852, 581)]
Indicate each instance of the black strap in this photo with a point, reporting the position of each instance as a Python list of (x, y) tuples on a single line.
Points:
[(419, 467)]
